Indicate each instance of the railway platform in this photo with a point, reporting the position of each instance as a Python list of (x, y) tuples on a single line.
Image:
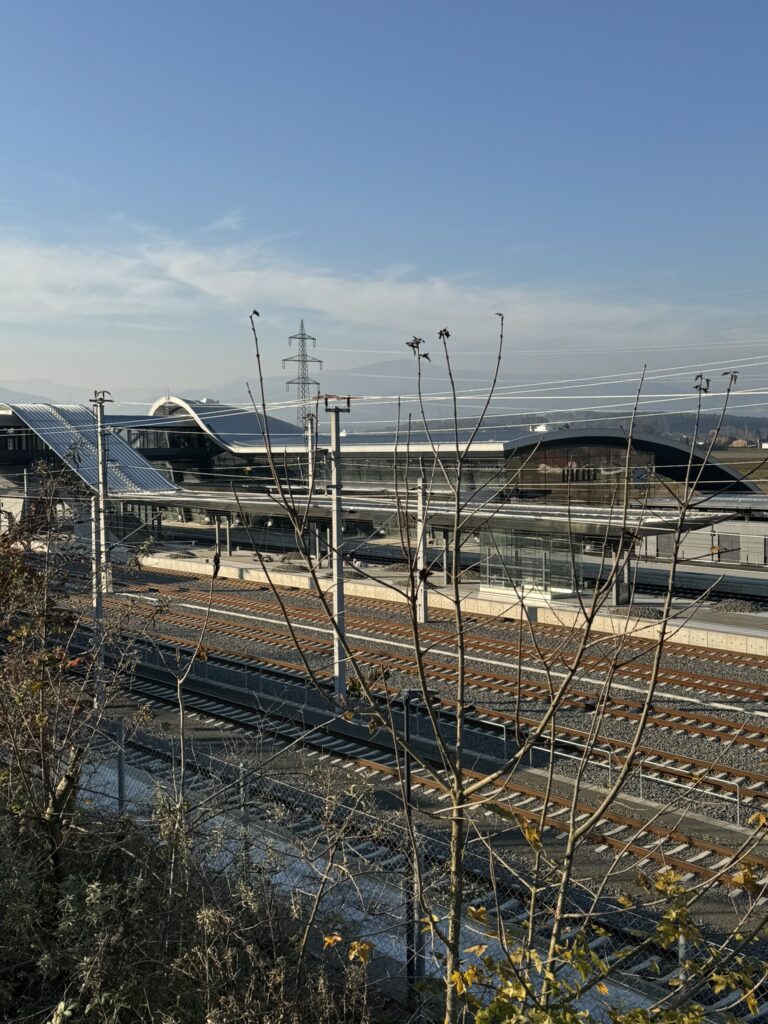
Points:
[(699, 625)]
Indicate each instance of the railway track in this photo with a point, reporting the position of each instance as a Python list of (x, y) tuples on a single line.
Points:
[(486, 681), (623, 667), (707, 860), (615, 929), (748, 787), (624, 833), (657, 764)]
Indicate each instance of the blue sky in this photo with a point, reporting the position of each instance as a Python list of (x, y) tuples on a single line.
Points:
[(598, 168)]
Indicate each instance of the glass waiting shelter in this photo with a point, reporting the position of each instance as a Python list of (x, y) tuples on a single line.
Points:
[(521, 558), (554, 551)]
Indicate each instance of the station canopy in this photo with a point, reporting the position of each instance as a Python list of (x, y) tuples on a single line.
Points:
[(70, 432)]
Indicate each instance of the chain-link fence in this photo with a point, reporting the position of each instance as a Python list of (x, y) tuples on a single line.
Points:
[(351, 868), (331, 838)]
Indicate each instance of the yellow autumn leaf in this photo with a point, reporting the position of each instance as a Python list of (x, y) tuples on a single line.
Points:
[(331, 940), (667, 881), (477, 950), (513, 990), (758, 820), (471, 975), (745, 878), (457, 978), (751, 1001), (478, 914), (530, 831), (602, 988), (361, 951), (625, 901)]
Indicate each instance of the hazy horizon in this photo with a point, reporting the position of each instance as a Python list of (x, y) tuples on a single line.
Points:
[(594, 172)]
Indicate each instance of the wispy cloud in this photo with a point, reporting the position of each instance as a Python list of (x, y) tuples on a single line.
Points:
[(231, 221), (155, 284)]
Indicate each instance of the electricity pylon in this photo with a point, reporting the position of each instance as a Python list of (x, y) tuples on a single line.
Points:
[(302, 381)]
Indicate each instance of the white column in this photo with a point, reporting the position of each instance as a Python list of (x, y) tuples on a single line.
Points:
[(337, 560), (106, 576)]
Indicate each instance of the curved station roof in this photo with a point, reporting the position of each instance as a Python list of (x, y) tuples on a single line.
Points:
[(241, 431), (70, 432)]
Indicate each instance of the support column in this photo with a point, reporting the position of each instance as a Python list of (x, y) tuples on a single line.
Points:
[(95, 563), (422, 598), (621, 587), (217, 534), (228, 532), (337, 556), (318, 545), (97, 605), (309, 424), (99, 399), (446, 558)]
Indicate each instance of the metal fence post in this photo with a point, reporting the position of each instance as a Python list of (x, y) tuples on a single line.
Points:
[(413, 936), (243, 821), (682, 952), (120, 766)]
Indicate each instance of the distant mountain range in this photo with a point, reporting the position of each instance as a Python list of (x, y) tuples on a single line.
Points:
[(522, 401), (392, 377), (9, 396)]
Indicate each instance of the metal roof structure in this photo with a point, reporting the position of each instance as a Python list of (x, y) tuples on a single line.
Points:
[(240, 431), (744, 506), (576, 520), (70, 432)]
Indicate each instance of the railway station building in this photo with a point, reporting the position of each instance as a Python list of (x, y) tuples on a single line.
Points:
[(543, 509)]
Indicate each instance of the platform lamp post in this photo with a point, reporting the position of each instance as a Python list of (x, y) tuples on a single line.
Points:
[(335, 405)]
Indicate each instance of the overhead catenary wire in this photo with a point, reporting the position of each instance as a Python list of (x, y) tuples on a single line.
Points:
[(213, 412)]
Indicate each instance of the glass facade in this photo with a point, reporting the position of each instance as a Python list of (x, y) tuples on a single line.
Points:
[(580, 475), (728, 547), (483, 473), (576, 475), (521, 558)]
